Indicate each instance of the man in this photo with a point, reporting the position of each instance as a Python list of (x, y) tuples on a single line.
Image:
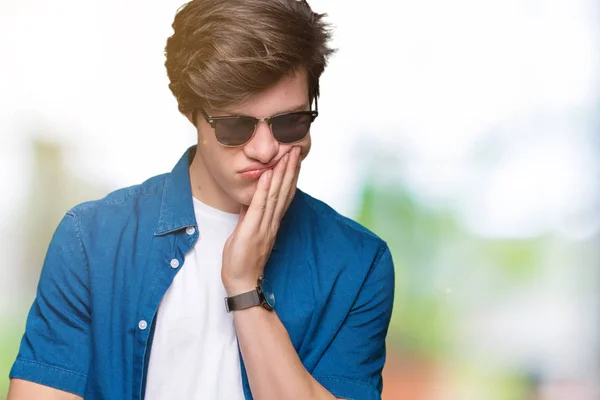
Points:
[(130, 302)]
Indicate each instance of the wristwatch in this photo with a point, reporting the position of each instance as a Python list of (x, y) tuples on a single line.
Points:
[(261, 296)]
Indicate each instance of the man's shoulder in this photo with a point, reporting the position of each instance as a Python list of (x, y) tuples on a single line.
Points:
[(336, 226), (123, 199)]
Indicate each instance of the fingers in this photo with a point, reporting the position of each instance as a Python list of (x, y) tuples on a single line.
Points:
[(254, 214), (292, 192), (288, 186), (243, 211), (274, 191)]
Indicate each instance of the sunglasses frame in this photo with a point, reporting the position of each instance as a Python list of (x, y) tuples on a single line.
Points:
[(212, 121)]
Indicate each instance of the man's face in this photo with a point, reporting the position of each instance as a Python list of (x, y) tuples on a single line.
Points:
[(225, 177)]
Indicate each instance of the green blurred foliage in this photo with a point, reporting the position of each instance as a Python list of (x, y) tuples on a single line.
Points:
[(443, 269), (10, 337), (420, 321), (432, 251), (517, 258)]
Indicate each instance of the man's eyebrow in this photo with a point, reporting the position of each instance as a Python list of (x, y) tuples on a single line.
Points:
[(301, 107)]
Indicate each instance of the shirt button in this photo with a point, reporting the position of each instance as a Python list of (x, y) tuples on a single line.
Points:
[(142, 325), (174, 263), (190, 230)]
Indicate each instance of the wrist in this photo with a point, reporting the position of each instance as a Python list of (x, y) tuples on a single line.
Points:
[(242, 295), (239, 286)]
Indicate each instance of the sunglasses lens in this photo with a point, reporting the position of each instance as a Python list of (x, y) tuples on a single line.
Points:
[(290, 128), (235, 131)]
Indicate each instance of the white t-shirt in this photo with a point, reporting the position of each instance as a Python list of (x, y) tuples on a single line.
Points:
[(195, 350)]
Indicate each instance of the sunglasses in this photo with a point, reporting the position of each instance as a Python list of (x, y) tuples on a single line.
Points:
[(287, 128)]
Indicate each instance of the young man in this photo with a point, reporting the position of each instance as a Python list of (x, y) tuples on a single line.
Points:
[(130, 302)]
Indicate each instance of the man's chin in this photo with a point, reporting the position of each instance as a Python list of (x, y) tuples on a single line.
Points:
[(245, 196)]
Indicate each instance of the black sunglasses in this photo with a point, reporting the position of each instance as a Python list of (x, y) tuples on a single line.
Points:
[(287, 128)]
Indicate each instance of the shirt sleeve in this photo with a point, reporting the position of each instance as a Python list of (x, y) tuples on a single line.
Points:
[(352, 366), (55, 349)]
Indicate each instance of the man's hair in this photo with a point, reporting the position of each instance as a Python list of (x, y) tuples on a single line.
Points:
[(222, 52)]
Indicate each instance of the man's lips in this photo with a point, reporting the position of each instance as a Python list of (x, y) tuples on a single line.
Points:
[(257, 168), (256, 171)]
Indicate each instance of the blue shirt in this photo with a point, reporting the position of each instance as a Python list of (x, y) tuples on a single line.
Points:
[(89, 330)]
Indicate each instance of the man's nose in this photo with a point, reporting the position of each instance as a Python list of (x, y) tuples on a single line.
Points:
[(263, 146)]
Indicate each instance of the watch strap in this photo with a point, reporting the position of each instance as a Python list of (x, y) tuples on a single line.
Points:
[(242, 301)]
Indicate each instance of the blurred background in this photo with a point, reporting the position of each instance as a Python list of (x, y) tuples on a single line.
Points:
[(464, 133)]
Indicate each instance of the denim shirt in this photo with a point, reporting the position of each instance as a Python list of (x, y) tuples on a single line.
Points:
[(110, 261)]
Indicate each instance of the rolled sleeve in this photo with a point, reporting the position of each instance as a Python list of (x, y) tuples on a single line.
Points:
[(353, 364), (55, 349)]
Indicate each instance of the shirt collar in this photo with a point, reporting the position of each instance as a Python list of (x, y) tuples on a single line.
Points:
[(177, 208)]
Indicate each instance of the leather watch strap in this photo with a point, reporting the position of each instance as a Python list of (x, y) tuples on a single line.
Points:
[(242, 301)]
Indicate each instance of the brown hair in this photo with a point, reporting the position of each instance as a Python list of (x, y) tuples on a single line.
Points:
[(224, 51)]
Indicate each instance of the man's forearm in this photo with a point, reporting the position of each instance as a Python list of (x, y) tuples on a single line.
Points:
[(25, 390), (274, 369)]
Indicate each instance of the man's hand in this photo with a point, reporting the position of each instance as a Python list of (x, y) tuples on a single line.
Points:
[(248, 248), (261, 334)]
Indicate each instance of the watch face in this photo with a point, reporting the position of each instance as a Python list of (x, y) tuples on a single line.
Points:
[(268, 293)]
